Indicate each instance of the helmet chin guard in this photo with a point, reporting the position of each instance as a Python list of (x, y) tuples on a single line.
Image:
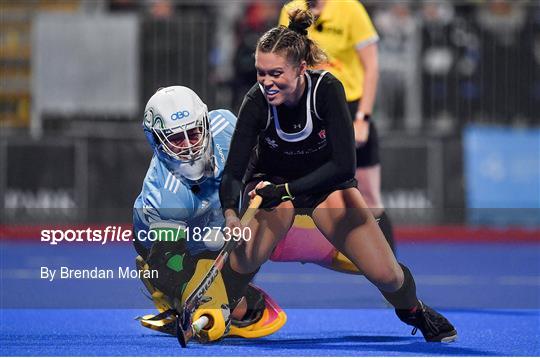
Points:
[(177, 127), (190, 173)]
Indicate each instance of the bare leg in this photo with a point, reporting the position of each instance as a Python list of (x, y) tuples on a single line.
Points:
[(267, 229), (348, 224), (369, 184)]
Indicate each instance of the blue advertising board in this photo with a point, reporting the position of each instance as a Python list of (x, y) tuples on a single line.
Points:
[(502, 175)]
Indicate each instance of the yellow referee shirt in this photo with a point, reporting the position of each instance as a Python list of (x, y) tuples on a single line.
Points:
[(343, 27)]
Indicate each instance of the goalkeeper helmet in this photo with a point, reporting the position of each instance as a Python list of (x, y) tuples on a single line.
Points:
[(176, 125)]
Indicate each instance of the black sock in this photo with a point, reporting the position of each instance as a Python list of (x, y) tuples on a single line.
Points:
[(386, 227), (235, 283), (404, 298)]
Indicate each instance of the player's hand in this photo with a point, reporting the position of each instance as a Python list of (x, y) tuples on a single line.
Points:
[(361, 131), (272, 194), (232, 220), (260, 185)]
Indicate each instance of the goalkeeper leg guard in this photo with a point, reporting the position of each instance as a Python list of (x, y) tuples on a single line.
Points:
[(165, 321), (304, 243), (161, 301), (215, 308)]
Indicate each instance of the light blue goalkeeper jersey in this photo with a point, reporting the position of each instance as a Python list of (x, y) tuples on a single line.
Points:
[(165, 198)]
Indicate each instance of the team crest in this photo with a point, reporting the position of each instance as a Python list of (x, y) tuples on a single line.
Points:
[(271, 142), (322, 134)]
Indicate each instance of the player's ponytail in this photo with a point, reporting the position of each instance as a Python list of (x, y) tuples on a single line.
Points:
[(292, 41), (300, 20)]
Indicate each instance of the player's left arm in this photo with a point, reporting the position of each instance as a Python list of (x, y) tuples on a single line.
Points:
[(365, 40), (369, 58)]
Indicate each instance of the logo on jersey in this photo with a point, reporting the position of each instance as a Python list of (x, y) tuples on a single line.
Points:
[(220, 152), (322, 134), (297, 126), (271, 142), (322, 26), (179, 115), (203, 208), (172, 183)]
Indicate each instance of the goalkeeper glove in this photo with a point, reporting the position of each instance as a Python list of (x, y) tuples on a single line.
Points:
[(273, 195)]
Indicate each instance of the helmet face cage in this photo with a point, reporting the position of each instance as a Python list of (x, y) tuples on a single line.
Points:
[(192, 148), (176, 125)]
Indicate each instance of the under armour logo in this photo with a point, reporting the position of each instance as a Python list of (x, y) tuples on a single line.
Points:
[(297, 126)]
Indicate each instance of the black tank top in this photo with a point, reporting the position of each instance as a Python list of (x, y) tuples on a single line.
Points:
[(294, 141), (310, 145)]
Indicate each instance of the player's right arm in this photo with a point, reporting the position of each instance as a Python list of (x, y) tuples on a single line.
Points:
[(251, 121), (160, 201)]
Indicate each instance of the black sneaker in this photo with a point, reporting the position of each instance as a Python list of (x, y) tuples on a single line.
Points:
[(432, 324)]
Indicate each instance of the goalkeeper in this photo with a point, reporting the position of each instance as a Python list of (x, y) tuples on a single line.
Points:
[(177, 217)]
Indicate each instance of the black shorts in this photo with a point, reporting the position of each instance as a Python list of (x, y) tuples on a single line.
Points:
[(368, 154), (304, 204)]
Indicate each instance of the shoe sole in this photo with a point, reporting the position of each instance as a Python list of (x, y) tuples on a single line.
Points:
[(446, 339)]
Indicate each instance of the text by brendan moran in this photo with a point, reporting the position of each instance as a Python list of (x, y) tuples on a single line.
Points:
[(66, 273)]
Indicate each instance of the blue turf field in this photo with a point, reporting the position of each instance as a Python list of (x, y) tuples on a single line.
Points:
[(490, 292)]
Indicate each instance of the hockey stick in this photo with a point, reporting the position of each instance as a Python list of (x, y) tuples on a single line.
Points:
[(184, 328)]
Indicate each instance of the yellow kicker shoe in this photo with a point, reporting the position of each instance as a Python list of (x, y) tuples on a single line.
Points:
[(165, 325), (268, 316), (268, 320)]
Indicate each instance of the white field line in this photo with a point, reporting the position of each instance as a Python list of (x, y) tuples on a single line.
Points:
[(427, 280)]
